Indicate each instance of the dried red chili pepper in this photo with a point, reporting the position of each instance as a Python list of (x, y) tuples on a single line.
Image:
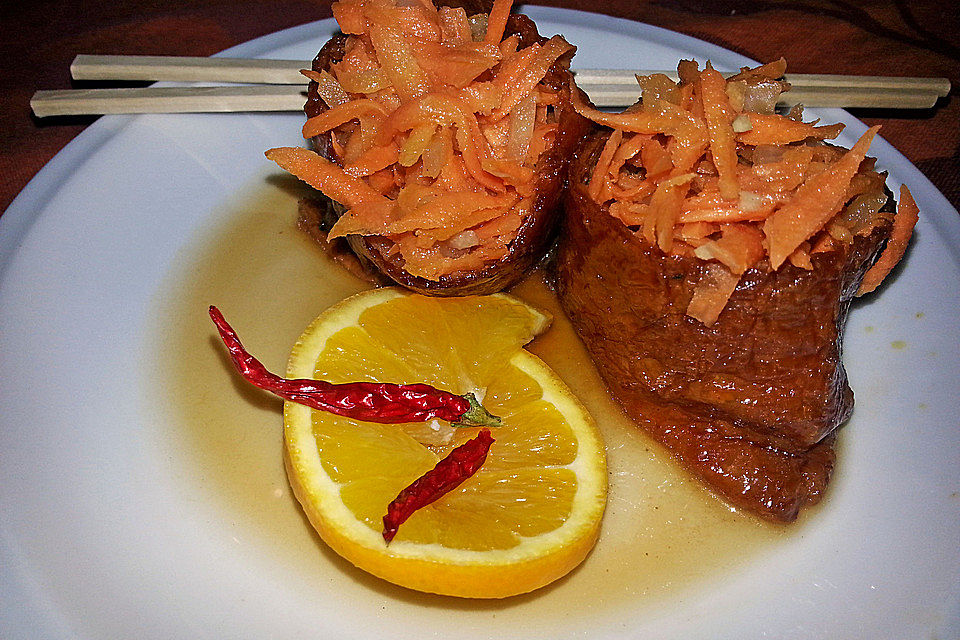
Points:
[(368, 401), (447, 475)]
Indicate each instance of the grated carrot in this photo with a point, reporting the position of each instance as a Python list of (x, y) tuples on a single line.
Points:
[(338, 115), (719, 116), (349, 16), (655, 158), (457, 66), (481, 97), (700, 174), (903, 223), (427, 98), (366, 206), (603, 164), (770, 71), (452, 212), (398, 63), (509, 45), (778, 177), (696, 230), (513, 68), (628, 150), (710, 206), (689, 138), (359, 72), (710, 296), (739, 247), (542, 139), (777, 130), (800, 257), (454, 27), (372, 160), (638, 191), (542, 60), (411, 21), (445, 110), (497, 21), (663, 118), (815, 202), (632, 215), (323, 175), (665, 205)]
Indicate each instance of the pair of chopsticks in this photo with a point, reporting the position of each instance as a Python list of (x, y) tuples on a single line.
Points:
[(277, 85)]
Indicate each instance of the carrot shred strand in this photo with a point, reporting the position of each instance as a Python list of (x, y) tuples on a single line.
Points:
[(715, 287), (908, 213), (497, 21)]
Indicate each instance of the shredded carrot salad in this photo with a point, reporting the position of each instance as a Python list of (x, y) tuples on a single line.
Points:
[(706, 168), (437, 122)]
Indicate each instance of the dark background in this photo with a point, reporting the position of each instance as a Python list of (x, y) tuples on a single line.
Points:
[(876, 37)]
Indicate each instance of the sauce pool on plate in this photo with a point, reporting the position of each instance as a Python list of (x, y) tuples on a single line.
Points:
[(663, 535)]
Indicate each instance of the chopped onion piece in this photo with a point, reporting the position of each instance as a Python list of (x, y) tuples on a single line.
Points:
[(658, 86), (522, 118), (761, 97), (839, 231), (329, 90), (416, 143), (741, 123), (767, 154), (478, 26), (862, 211), (464, 239), (750, 201), (736, 90), (438, 152)]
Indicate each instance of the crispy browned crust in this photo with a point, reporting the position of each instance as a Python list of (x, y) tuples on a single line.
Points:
[(538, 231), (747, 405)]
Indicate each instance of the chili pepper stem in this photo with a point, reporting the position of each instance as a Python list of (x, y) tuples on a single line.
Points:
[(477, 415)]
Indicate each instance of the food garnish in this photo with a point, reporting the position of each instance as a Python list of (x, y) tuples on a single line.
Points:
[(431, 505), (457, 466), (709, 256), (908, 213), (386, 403), (369, 401), (442, 139), (706, 168)]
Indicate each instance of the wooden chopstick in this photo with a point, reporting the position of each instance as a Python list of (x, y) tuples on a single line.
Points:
[(938, 86), (606, 87), (257, 71), (623, 96), (188, 69), (76, 102)]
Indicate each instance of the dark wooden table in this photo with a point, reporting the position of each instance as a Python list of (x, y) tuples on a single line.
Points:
[(878, 37)]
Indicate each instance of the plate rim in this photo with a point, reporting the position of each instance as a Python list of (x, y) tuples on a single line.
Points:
[(20, 215)]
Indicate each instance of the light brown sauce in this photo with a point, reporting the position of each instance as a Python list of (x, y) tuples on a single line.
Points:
[(663, 536)]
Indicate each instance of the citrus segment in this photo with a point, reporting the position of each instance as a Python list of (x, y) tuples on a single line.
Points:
[(511, 389), (353, 355), (530, 514)]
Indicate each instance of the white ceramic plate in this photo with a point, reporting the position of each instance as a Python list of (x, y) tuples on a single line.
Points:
[(101, 537)]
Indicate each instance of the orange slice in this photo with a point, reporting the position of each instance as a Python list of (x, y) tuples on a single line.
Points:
[(527, 517)]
